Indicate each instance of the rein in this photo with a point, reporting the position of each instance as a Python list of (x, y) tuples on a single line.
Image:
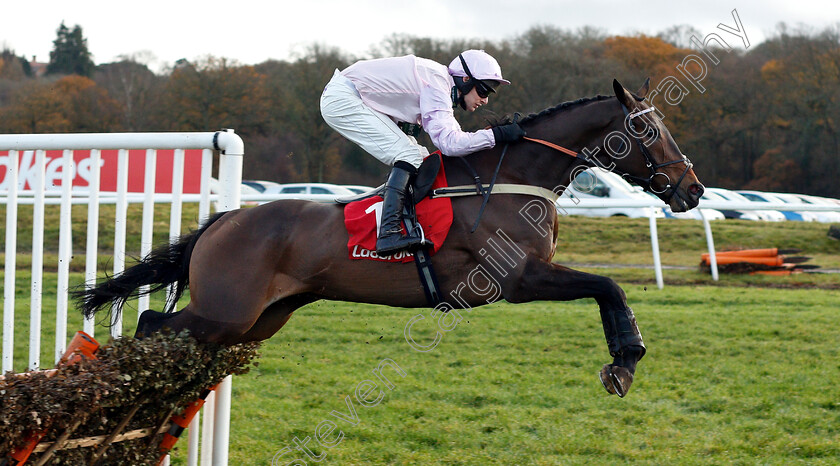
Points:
[(489, 189), (502, 188), (552, 145)]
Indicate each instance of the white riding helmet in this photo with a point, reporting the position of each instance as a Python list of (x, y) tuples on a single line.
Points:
[(479, 65)]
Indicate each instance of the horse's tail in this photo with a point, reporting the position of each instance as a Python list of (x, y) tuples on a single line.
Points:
[(166, 265)]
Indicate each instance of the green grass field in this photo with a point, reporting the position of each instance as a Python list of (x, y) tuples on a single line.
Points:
[(732, 376), (740, 371)]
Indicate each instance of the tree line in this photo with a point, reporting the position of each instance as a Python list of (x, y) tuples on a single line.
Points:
[(762, 117)]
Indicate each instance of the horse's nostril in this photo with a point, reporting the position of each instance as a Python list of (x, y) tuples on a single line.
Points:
[(696, 189)]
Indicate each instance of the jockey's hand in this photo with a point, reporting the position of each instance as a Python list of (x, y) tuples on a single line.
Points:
[(508, 133)]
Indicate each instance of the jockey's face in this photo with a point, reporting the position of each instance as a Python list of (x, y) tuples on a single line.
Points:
[(473, 100)]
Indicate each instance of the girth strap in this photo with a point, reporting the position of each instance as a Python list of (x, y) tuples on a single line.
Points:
[(498, 188), (423, 261)]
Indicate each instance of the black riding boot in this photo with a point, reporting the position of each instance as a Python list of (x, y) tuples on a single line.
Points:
[(391, 238)]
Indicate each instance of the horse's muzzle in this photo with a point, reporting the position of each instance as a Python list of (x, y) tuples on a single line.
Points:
[(685, 199)]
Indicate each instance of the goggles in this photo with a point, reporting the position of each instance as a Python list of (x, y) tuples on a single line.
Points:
[(485, 88)]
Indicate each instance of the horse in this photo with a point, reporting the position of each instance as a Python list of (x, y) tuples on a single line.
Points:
[(248, 270)]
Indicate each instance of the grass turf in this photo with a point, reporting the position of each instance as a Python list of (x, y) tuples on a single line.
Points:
[(732, 376)]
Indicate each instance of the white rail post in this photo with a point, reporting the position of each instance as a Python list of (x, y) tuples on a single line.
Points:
[(175, 209), (92, 245), (35, 298), (192, 440), (206, 451), (204, 191), (11, 263), (121, 217), (147, 232), (65, 251), (654, 243), (710, 243), (230, 177)]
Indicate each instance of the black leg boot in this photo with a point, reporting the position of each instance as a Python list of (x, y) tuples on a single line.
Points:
[(391, 238), (626, 347)]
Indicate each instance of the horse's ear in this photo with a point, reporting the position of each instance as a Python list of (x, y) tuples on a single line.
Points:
[(623, 96), (643, 91)]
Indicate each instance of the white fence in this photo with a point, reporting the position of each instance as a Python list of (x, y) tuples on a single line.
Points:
[(566, 203), (215, 439)]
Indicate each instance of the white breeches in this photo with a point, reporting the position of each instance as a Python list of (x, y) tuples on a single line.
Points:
[(375, 132)]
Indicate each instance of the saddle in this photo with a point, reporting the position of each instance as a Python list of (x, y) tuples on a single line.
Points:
[(421, 187), (435, 215)]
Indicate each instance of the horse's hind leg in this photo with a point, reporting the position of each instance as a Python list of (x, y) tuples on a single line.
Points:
[(152, 321), (268, 323), (275, 317), (203, 329)]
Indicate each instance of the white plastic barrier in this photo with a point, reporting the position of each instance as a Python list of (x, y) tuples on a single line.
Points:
[(215, 437)]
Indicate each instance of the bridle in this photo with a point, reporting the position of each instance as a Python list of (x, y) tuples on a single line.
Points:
[(646, 183), (650, 162)]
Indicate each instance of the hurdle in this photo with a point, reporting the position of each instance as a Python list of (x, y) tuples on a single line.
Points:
[(32, 161)]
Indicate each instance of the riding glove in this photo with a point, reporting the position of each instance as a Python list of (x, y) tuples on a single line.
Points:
[(508, 133)]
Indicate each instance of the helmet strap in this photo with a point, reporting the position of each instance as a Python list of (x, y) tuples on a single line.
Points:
[(466, 68), (458, 98)]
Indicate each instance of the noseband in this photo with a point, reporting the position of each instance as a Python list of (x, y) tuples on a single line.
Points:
[(650, 162)]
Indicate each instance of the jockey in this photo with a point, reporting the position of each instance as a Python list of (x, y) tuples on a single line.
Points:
[(381, 105)]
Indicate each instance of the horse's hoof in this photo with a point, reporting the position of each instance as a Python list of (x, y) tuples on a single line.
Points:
[(604, 375), (616, 379)]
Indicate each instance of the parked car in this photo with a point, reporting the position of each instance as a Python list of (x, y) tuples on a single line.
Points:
[(732, 196), (759, 196), (834, 215), (832, 200), (709, 196), (597, 183), (693, 214), (324, 192), (822, 216), (260, 185), (358, 189), (245, 190)]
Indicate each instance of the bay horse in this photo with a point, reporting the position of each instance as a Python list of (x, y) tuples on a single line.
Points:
[(248, 270)]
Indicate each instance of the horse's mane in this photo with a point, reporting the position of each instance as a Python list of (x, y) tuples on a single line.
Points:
[(550, 111)]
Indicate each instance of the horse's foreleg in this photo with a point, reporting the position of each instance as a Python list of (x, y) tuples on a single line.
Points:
[(542, 280)]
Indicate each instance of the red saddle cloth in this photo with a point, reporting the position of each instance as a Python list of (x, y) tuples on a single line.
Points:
[(362, 221)]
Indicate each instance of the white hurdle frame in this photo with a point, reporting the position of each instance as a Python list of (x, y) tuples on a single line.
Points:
[(216, 426)]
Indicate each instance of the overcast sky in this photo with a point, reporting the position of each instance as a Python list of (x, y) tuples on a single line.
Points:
[(252, 31)]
